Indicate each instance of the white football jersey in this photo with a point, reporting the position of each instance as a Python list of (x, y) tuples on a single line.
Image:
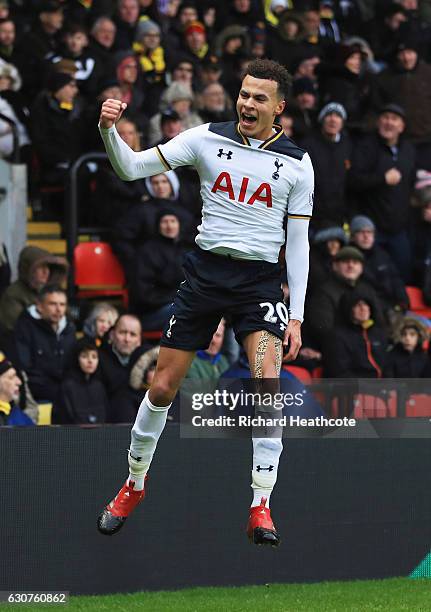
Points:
[(246, 191)]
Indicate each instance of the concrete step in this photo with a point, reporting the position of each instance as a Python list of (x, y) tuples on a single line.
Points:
[(43, 229), (55, 246)]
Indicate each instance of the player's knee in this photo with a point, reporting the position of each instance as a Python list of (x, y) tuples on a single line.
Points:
[(163, 391)]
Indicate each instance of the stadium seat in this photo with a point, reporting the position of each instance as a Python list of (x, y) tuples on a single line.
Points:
[(369, 407), (301, 373), (418, 405), (417, 304), (98, 272)]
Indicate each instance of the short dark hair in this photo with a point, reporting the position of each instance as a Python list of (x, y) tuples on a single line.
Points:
[(268, 69), (48, 289)]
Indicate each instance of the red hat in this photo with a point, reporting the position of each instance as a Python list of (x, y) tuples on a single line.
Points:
[(194, 26)]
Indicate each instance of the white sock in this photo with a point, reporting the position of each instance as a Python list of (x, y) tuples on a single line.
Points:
[(266, 455), (149, 424)]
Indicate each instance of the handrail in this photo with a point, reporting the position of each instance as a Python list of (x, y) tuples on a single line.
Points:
[(72, 212)]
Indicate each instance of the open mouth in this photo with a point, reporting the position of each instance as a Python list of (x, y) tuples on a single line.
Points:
[(248, 119)]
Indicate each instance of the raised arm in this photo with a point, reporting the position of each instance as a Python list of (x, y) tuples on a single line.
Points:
[(128, 164)]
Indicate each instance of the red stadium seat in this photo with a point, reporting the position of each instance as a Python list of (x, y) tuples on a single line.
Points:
[(418, 405), (98, 272), (417, 304), (301, 373), (369, 407)]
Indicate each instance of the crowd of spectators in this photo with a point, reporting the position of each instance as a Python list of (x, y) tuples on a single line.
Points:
[(360, 105)]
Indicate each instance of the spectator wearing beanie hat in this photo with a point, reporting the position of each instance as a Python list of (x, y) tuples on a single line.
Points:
[(180, 98), (57, 129), (195, 43), (303, 107), (322, 305), (379, 269), (150, 52), (380, 179), (330, 151), (325, 245)]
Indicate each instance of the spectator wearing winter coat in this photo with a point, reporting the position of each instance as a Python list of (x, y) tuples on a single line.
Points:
[(40, 40), (322, 307), (56, 127), (284, 43), (408, 359), (102, 38), (407, 83), (379, 269), (141, 222), (344, 81), (44, 340), (303, 108), (36, 268), (75, 48), (10, 412), (381, 177), (326, 244), (152, 61), (330, 151), (126, 21), (13, 106), (159, 273), (358, 348), (179, 98), (116, 362), (83, 398)]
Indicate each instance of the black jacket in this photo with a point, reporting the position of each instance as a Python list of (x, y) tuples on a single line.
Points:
[(82, 399), (330, 163), (43, 354), (355, 351), (57, 135), (322, 314), (123, 400), (159, 273), (139, 225), (387, 205), (402, 364), (381, 272)]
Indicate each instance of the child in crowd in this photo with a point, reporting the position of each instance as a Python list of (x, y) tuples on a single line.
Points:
[(83, 397), (407, 359)]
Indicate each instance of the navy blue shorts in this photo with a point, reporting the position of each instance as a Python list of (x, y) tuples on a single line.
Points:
[(248, 292)]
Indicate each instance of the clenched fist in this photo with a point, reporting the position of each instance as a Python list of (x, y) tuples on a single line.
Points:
[(111, 112)]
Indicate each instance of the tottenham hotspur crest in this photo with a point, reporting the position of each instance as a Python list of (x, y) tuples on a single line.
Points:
[(276, 174), (172, 322)]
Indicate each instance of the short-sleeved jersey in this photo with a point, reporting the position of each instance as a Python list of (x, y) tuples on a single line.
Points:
[(246, 191)]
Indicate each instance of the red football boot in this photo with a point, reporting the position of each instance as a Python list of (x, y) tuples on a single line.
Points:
[(260, 528), (116, 512)]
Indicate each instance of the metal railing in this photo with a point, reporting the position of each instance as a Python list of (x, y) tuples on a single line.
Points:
[(72, 208)]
